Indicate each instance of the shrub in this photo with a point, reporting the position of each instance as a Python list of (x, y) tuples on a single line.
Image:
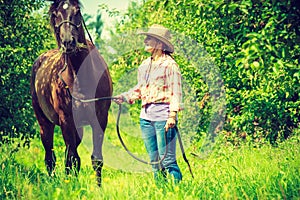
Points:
[(255, 46), (24, 35)]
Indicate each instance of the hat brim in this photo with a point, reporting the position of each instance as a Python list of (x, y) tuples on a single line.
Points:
[(164, 40)]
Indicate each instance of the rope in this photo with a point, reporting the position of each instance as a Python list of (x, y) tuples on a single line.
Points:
[(118, 121), (119, 114), (182, 151), (159, 161), (88, 32)]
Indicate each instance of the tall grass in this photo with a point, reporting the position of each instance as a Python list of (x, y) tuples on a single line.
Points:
[(229, 172)]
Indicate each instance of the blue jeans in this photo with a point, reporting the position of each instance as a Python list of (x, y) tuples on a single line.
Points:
[(153, 133)]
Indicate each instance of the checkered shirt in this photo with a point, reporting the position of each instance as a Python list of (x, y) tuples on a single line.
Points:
[(158, 82)]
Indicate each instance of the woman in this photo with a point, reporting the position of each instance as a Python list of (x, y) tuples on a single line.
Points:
[(159, 88)]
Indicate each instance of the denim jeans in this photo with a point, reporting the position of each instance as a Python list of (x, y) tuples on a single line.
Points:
[(153, 133)]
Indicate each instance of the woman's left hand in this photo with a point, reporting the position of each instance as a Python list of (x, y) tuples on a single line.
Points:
[(170, 123)]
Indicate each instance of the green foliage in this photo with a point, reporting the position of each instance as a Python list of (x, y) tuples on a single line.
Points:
[(94, 27), (24, 35), (255, 47)]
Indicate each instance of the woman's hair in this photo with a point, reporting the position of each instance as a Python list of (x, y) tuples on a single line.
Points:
[(166, 51), (169, 54), (164, 48)]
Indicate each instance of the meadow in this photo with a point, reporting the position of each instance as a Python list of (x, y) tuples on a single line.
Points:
[(227, 172)]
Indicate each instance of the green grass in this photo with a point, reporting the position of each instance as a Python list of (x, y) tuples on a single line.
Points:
[(227, 173)]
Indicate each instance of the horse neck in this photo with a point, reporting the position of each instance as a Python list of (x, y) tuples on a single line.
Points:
[(77, 59), (82, 69), (82, 52)]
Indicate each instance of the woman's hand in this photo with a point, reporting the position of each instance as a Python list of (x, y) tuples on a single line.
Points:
[(170, 123), (119, 99), (171, 120)]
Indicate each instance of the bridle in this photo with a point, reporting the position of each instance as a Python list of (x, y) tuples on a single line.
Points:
[(67, 21), (77, 26)]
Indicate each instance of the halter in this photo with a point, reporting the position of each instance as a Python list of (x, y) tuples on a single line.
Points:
[(77, 26), (68, 21)]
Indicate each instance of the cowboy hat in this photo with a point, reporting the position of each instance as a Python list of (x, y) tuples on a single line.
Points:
[(161, 33)]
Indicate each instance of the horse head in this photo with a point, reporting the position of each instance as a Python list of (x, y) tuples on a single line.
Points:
[(66, 20)]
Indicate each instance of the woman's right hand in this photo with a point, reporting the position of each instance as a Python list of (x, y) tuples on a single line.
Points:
[(119, 99)]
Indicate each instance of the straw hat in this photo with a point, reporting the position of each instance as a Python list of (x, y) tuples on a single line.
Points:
[(161, 33)]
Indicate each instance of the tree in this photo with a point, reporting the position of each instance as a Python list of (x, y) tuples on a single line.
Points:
[(94, 26), (25, 33), (255, 44)]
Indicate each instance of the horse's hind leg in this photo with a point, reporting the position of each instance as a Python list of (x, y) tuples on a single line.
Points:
[(46, 132)]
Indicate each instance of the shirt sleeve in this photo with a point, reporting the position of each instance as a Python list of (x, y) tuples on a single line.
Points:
[(174, 83)]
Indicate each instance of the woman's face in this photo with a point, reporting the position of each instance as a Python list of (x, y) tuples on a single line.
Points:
[(151, 43)]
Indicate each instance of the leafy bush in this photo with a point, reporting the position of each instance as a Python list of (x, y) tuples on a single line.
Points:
[(255, 46), (24, 35)]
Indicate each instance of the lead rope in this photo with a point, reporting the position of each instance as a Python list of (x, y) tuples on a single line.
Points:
[(119, 114), (88, 32), (183, 152), (159, 161), (118, 121), (118, 129)]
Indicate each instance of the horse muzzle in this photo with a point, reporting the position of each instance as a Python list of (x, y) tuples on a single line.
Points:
[(69, 45)]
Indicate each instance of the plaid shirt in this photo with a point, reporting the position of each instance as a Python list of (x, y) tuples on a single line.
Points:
[(158, 82)]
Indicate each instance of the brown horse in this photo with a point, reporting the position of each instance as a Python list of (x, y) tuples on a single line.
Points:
[(60, 77)]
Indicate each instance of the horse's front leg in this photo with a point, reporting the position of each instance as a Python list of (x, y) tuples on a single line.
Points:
[(97, 157), (72, 138)]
